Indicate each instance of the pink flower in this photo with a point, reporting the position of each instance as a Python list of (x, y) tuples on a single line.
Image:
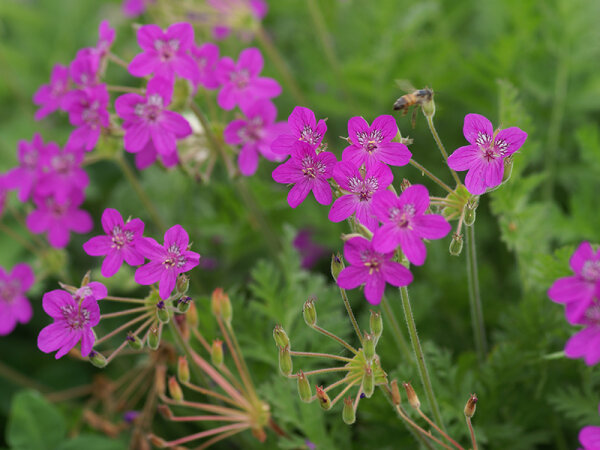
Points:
[(361, 188), (50, 97), (406, 224), (133, 8), (589, 437), (255, 134), (241, 83), (586, 343), (308, 171), (26, 175), (88, 113), (74, 317), (3, 192), (14, 306), (237, 15), (309, 250), (146, 119), (148, 155), (484, 157), (63, 173), (371, 268), (206, 57), (165, 53), (106, 37), (166, 261), (118, 244), (84, 68), (57, 219), (373, 143), (304, 127)]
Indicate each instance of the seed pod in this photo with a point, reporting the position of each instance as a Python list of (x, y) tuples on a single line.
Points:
[(216, 353), (324, 399), (183, 304), (97, 359), (376, 324), (157, 441), (175, 390), (413, 399), (369, 347), (285, 361), (183, 283), (304, 389), (134, 342), (280, 336), (337, 265), (191, 316), (396, 399), (154, 338), (183, 370), (159, 379), (162, 312), (470, 211), (310, 312), (471, 406), (456, 245), (368, 382), (348, 414)]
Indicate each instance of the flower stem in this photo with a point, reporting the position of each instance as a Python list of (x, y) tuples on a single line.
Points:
[(193, 437), (320, 355), (114, 58), (20, 239), (351, 314), (473, 439), (420, 356), (428, 434), (128, 89), (121, 328), (433, 178), (125, 312), (396, 331), (125, 299), (20, 379), (343, 391), (439, 430), (210, 393), (327, 370), (474, 295), (335, 338), (346, 379), (438, 141)]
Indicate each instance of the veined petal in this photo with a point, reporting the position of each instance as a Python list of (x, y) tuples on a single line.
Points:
[(413, 247), (387, 238), (416, 195), (167, 283), (288, 172), (352, 277), (494, 171), (111, 218), (149, 248), (176, 235), (388, 127), (176, 124), (343, 208), (464, 158), (300, 118), (509, 140), (299, 192), (354, 248), (251, 60), (477, 127), (475, 179), (98, 246), (143, 64), (52, 337), (248, 159), (53, 301), (149, 273), (431, 226), (357, 125), (374, 288), (382, 202), (396, 274), (322, 191), (583, 254), (23, 273), (112, 263)]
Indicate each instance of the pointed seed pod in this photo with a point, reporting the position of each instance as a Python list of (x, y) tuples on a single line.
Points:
[(376, 325), (396, 399), (324, 399), (97, 359), (159, 379), (304, 389), (368, 382), (310, 312), (134, 342), (216, 352), (165, 411), (154, 337), (470, 211), (411, 395), (369, 346), (285, 360), (337, 265), (471, 406), (456, 245), (280, 336), (221, 305), (508, 166), (162, 312), (191, 316), (348, 414), (86, 278), (175, 390), (183, 304), (183, 370), (404, 184)]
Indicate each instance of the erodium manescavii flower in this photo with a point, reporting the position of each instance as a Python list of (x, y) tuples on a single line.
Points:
[(360, 188), (106, 37), (84, 68), (371, 268), (14, 306), (406, 224), (586, 342), (370, 144), (88, 113), (25, 176), (207, 57), (589, 437), (148, 155), (255, 134), (308, 171), (165, 53), (304, 127), (241, 84), (147, 119), (50, 97), (166, 261), (485, 154), (118, 244), (74, 317), (62, 172), (577, 291)]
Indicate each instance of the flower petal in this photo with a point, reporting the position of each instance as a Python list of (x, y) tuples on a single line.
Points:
[(413, 247), (176, 235), (112, 263), (299, 192), (431, 226), (352, 277), (464, 158), (510, 140), (98, 245), (149, 273), (342, 208), (374, 288), (477, 126)]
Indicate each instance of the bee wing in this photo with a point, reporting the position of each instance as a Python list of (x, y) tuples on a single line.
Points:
[(405, 85)]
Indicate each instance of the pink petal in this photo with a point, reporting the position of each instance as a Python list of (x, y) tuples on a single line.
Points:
[(164, 141), (382, 173), (176, 124), (387, 125), (167, 284), (570, 289), (58, 235), (387, 238), (365, 216), (53, 301), (382, 202), (149, 248), (22, 310), (90, 304), (192, 259), (355, 155), (357, 125), (177, 236), (111, 218), (494, 172), (345, 170), (248, 159), (512, 137), (186, 67), (23, 273), (476, 125), (183, 32), (282, 145), (393, 153), (147, 35), (396, 274), (70, 341), (112, 263), (136, 137), (132, 256), (227, 98), (98, 246), (149, 273), (413, 247), (136, 226), (52, 337), (431, 226), (374, 288), (343, 208), (251, 60), (265, 88), (143, 64), (352, 277), (288, 172), (464, 158), (125, 105), (322, 191), (97, 289), (416, 195), (299, 192), (589, 437), (87, 342), (583, 254), (231, 134), (475, 179), (80, 221), (300, 118), (354, 248)]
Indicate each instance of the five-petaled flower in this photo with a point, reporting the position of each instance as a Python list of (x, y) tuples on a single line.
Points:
[(50, 97), (25, 176), (207, 57), (484, 157), (88, 113), (304, 127), (62, 173), (14, 306)]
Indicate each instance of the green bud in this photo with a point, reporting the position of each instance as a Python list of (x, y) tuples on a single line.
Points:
[(456, 245), (154, 338), (470, 209), (508, 166), (310, 312), (134, 342), (183, 283), (175, 390), (304, 389), (324, 399), (216, 352), (368, 382), (280, 336), (97, 359), (285, 361), (348, 414), (369, 346), (162, 312), (429, 107), (183, 304), (337, 265), (183, 370), (376, 324)]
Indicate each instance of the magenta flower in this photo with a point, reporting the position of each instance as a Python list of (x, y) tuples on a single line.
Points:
[(84, 68), (133, 8), (304, 127), (206, 57), (165, 53), (148, 155), (406, 224), (371, 268), (147, 119), (74, 318), (118, 244), (309, 250), (577, 291), (589, 437), (237, 15), (373, 143), (3, 193), (26, 175), (361, 188), (308, 171), (166, 261), (255, 134), (241, 83), (50, 97), (484, 157), (14, 306), (106, 37), (88, 113), (57, 219), (63, 173), (586, 343)]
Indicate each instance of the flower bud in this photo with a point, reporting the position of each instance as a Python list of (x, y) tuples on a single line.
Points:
[(404, 184), (280, 336), (304, 389), (183, 370), (159, 379), (191, 316), (310, 312), (368, 382), (324, 399), (348, 414), (470, 211), (97, 359), (337, 265), (216, 353), (175, 390), (471, 406), (183, 304), (413, 400), (376, 325), (456, 244), (154, 338), (183, 283), (369, 346), (396, 399), (221, 305), (134, 342), (285, 360), (508, 166), (162, 312)]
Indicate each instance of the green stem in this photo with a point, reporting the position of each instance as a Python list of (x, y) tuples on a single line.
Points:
[(420, 356), (474, 295), (431, 176), (351, 314), (398, 336), (438, 142), (335, 338)]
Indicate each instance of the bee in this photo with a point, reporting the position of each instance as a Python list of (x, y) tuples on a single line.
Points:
[(416, 97)]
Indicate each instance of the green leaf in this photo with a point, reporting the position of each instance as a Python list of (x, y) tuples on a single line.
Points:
[(92, 442)]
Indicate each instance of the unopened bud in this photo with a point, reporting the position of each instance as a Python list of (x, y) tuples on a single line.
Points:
[(396, 399), (183, 304), (183, 370), (369, 346), (165, 411), (97, 359), (508, 167), (348, 414), (216, 353), (280, 336), (456, 244), (304, 389), (471, 406), (411, 395), (175, 390), (376, 324), (324, 399), (337, 265), (470, 211), (428, 106), (191, 316), (404, 184), (162, 312), (159, 379), (221, 305), (368, 382), (157, 441), (310, 312), (154, 337), (285, 360), (183, 283), (134, 342)]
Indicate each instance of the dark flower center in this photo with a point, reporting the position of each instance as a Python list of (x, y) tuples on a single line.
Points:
[(76, 318), (402, 217)]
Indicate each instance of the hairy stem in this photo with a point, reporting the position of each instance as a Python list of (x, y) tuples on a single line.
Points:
[(474, 295), (351, 314), (438, 142), (396, 331), (431, 176)]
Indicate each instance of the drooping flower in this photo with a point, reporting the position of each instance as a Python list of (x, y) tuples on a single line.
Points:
[(118, 244), (255, 134), (63, 173), (484, 157), (106, 37), (165, 53), (308, 171), (577, 291), (370, 144), (166, 261), (237, 15), (406, 224), (361, 186), (88, 113), (14, 306), (50, 97), (84, 68), (59, 219), (25, 176), (371, 268), (147, 119), (74, 318), (241, 84), (589, 437), (206, 57), (304, 127)]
